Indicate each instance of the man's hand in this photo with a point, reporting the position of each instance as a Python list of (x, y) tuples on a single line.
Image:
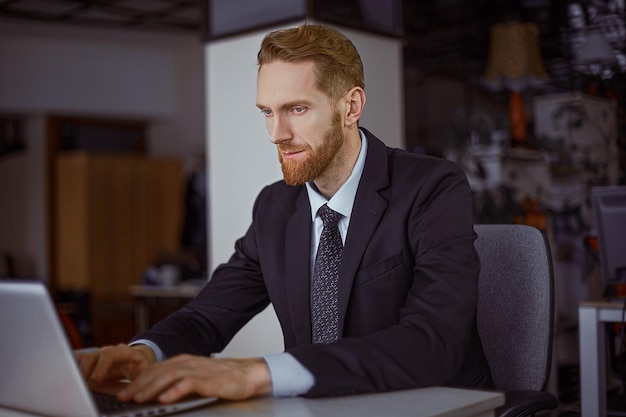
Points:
[(169, 380), (115, 362)]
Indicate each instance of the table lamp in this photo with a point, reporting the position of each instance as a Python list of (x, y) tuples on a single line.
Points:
[(514, 63)]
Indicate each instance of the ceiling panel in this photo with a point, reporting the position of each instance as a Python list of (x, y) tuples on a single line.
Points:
[(173, 15)]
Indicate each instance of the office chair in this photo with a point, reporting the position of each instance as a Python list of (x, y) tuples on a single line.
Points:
[(516, 314)]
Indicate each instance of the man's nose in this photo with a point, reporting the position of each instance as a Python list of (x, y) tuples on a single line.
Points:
[(279, 130)]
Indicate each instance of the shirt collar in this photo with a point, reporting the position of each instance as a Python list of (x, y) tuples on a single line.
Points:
[(343, 200)]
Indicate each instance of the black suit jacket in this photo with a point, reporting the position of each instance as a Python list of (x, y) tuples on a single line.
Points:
[(408, 282)]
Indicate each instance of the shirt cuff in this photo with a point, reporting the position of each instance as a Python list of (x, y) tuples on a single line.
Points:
[(158, 353), (289, 377)]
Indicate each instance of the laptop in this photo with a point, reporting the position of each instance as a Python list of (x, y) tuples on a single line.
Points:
[(38, 370)]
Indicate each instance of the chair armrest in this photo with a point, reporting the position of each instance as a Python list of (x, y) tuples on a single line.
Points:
[(526, 403)]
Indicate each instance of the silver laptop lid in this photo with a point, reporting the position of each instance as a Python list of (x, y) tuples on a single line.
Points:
[(39, 373)]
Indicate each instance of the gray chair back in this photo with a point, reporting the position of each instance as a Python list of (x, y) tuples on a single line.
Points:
[(515, 305)]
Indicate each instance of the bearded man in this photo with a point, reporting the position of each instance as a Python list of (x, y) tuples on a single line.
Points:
[(388, 301)]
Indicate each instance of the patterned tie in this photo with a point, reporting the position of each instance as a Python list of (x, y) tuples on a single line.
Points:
[(325, 318)]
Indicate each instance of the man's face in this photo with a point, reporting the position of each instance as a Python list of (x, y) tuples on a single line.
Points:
[(303, 121)]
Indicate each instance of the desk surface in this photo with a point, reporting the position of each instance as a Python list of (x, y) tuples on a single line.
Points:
[(424, 402)]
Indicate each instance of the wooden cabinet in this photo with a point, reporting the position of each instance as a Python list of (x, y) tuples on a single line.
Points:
[(114, 215)]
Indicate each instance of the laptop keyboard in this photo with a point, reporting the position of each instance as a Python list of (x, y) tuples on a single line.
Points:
[(109, 404)]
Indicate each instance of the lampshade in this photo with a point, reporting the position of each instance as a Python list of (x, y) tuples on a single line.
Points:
[(514, 60)]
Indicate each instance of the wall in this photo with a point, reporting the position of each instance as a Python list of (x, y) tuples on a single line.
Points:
[(182, 133), (22, 214), (50, 69), (241, 159), (101, 77)]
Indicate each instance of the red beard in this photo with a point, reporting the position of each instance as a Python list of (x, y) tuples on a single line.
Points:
[(299, 172)]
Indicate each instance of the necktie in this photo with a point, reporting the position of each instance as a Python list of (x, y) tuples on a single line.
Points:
[(324, 296)]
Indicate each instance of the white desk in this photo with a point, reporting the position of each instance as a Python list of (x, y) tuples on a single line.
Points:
[(424, 402), (593, 365)]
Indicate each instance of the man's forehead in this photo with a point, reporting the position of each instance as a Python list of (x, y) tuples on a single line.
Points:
[(284, 81)]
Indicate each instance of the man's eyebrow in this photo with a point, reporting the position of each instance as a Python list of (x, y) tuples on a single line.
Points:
[(287, 106)]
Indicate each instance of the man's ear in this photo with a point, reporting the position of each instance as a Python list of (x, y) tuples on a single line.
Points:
[(355, 102)]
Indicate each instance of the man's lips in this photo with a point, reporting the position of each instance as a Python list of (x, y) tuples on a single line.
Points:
[(291, 153)]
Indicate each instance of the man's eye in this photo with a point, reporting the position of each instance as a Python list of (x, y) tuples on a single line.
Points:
[(298, 109), (266, 112)]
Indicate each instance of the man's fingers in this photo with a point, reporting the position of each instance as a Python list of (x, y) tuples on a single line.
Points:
[(151, 383), (105, 366), (169, 381), (177, 377), (113, 362), (181, 388), (86, 363)]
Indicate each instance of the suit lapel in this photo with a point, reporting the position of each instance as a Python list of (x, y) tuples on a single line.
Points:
[(369, 207), (298, 268)]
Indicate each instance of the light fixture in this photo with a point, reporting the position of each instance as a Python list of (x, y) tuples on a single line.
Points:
[(515, 64)]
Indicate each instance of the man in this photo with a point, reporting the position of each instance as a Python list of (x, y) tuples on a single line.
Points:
[(403, 311)]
